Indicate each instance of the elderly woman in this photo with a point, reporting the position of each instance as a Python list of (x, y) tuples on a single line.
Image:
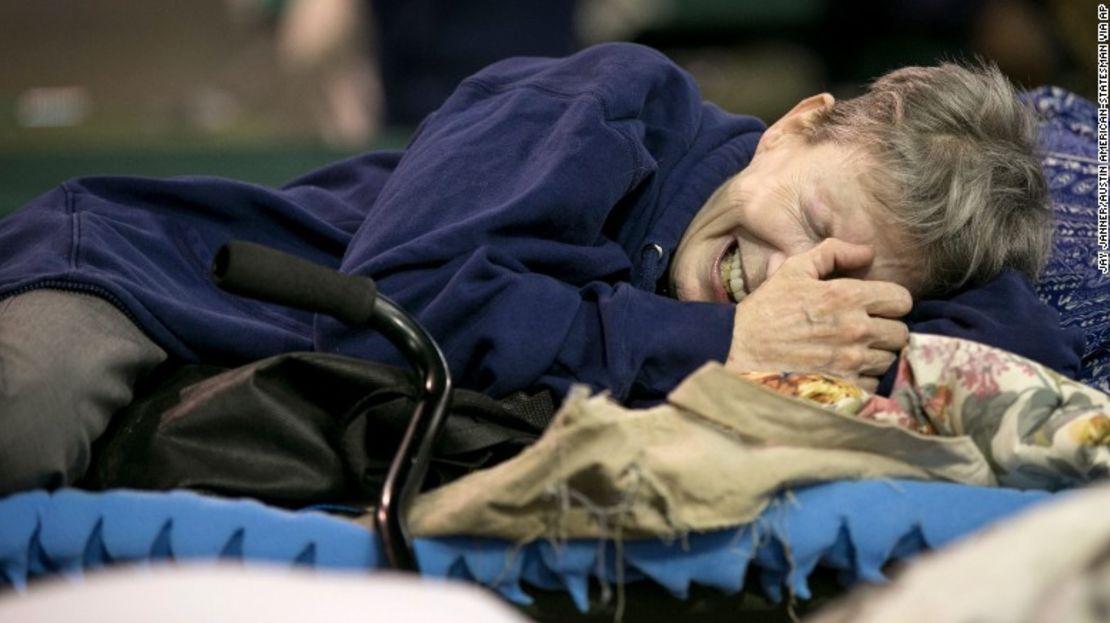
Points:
[(933, 169), (587, 219)]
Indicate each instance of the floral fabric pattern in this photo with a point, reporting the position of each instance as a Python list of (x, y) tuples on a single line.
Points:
[(827, 391), (1037, 429)]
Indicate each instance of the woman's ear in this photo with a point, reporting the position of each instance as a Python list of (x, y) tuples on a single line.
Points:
[(799, 118)]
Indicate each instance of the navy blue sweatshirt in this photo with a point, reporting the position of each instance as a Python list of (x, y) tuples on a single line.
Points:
[(527, 226)]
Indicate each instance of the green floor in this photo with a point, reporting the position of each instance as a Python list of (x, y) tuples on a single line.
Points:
[(25, 176), (33, 163)]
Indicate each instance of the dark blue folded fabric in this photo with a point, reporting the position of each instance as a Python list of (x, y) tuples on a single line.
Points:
[(1005, 313)]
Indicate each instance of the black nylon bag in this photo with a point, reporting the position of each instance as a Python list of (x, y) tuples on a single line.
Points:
[(298, 429)]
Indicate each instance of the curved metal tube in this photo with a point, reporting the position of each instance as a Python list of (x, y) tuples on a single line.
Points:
[(266, 274), (410, 463)]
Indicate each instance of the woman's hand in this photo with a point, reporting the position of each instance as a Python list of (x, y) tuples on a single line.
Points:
[(796, 321)]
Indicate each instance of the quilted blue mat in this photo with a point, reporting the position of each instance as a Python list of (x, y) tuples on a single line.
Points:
[(854, 527)]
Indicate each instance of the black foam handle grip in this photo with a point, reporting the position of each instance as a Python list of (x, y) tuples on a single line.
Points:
[(266, 274)]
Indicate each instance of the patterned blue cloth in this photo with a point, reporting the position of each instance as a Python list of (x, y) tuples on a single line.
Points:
[(1072, 282)]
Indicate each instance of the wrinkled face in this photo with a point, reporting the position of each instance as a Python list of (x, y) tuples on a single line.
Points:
[(792, 196)]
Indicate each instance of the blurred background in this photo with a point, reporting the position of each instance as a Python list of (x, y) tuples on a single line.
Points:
[(263, 90)]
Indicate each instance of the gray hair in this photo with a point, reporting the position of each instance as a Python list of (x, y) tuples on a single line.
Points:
[(956, 166)]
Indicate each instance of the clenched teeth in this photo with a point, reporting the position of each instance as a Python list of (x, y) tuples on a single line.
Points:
[(732, 275)]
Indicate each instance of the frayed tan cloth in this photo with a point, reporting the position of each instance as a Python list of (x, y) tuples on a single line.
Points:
[(710, 458)]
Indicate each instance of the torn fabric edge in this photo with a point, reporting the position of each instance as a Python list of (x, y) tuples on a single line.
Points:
[(852, 527)]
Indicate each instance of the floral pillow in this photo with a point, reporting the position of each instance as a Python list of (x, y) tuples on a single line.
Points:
[(1037, 428)]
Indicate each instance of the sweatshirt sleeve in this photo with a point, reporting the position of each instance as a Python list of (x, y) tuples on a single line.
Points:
[(497, 229), (1005, 313)]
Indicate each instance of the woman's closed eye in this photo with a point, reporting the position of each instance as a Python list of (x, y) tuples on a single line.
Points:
[(817, 221)]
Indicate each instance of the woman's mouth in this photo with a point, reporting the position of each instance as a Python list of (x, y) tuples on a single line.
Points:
[(732, 273)]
